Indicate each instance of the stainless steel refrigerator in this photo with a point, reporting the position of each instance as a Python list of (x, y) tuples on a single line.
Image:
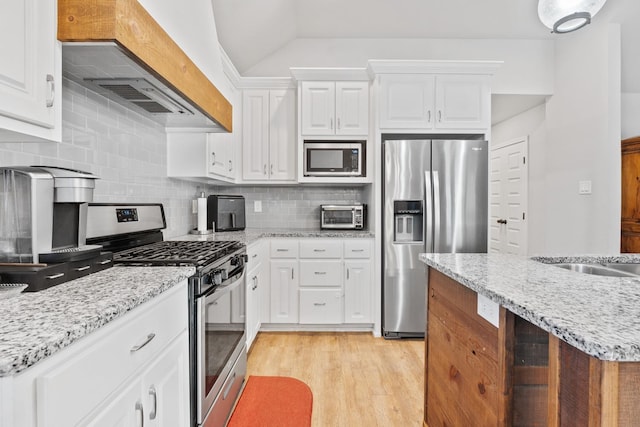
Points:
[(434, 200)]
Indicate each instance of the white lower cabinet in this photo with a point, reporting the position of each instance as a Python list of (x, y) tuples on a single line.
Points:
[(320, 281), (256, 284), (321, 306), (132, 370)]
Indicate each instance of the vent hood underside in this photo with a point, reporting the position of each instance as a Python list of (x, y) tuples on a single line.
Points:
[(132, 61)]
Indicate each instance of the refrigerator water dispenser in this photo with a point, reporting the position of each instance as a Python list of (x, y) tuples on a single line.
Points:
[(408, 220)]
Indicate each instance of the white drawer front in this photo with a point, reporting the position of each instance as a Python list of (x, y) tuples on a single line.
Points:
[(321, 306), (256, 254), (285, 248), (356, 248), (320, 273), (69, 391), (317, 248)]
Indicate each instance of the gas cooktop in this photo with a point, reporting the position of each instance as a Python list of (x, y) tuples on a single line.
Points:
[(178, 253)]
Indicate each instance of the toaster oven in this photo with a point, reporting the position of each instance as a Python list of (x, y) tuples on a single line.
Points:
[(343, 217)]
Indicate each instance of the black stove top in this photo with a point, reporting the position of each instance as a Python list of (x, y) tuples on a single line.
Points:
[(178, 253)]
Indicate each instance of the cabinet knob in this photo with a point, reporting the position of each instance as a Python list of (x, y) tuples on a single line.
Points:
[(52, 90)]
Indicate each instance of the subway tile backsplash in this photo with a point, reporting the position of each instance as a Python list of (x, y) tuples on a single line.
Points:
[(291, 207), (128, 152)]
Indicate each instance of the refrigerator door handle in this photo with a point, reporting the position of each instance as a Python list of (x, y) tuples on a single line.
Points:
[(436, 211), (427, 228)]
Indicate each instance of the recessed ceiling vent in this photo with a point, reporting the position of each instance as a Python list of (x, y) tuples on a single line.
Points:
[(143, 94)]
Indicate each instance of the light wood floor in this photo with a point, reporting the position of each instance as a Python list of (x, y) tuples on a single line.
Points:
[(356, 379)]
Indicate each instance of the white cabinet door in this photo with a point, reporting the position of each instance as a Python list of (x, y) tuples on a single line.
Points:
[(284, 291), (318, 108), (321, 306), (125, 410), (165, 391), (352, 108), (30, 69), (255, 134), (461, 102), (220, 151), (357, 291), (282, 135), (407, 101)]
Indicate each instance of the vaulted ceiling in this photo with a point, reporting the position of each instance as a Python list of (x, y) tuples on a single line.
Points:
[(251, 30)]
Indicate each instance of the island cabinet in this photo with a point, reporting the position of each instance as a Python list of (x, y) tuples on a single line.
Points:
[(515, 374)]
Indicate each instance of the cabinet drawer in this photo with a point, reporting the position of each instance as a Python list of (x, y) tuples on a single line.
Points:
[(256, 254), (320, 273), (320, 249), (321, 306), (102, 361), (284, 248), (356, 248)]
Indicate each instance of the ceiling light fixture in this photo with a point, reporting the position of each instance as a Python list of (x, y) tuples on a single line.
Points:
[(564, 16)]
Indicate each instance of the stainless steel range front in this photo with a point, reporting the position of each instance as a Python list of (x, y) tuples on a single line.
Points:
[(216, 303)]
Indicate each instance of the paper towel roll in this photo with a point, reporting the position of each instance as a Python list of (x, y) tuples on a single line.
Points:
[(202, 214)]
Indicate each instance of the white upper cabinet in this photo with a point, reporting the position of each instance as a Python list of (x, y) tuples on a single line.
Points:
[(335, 108), (30, 71), (268, 135), (427, 101), (202, 156)]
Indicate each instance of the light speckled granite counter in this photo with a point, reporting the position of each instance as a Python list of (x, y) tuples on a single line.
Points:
[(249, 236), (38, 324), (598, 315)]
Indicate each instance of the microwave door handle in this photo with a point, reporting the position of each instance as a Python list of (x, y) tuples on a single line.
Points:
[(233, 220)]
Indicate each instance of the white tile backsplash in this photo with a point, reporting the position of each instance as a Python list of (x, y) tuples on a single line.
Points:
[(128, 152)]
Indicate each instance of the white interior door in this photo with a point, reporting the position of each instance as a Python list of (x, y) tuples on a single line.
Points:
[(508, 196)]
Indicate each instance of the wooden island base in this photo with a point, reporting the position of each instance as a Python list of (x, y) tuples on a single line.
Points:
[(517, 374)]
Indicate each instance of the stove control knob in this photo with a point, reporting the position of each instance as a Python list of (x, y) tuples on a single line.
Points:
[(216, 277), (224, 274), (239, 259)]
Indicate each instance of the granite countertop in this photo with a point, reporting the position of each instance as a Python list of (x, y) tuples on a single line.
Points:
[(249, 235), (35, 325), (596, 314)]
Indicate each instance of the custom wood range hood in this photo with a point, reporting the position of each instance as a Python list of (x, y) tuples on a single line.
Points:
[(117, 49)]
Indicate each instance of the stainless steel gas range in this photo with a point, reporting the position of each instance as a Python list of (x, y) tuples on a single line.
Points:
[(218, 355)]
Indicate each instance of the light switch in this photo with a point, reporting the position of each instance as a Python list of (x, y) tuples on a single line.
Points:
[(257, 205), (584, 187)]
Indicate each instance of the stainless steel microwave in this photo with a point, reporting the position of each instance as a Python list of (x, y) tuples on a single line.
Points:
[(334, 158)]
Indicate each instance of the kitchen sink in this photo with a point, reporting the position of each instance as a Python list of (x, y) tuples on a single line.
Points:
[(611, 270)]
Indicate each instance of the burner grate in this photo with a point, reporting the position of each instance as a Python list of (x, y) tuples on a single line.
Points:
[(194, 253)]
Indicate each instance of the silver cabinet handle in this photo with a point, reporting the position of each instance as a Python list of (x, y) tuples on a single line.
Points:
[(213, 158), (440, 115), (265, 169), (52, 90), (348, 273), (86, 267), (106, 261), (428, 116), (357, 250), (319, 250), (282, 250), (292, 274), (271, 168), (320, 273), (338, 123), (254, 256), (230, 165), (331, 124), (154, 396), (54, 276), (319, 304), (140, 410), (228, 389), (145, 342)]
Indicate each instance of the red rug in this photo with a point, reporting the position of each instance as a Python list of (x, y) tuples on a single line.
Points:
[(273, 402)]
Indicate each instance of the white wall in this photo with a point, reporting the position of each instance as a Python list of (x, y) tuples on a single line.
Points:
[(527, 68), (631, 114), (583, 128)]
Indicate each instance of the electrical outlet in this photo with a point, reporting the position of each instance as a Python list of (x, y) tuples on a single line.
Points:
[(257, 205), (489, 310)]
